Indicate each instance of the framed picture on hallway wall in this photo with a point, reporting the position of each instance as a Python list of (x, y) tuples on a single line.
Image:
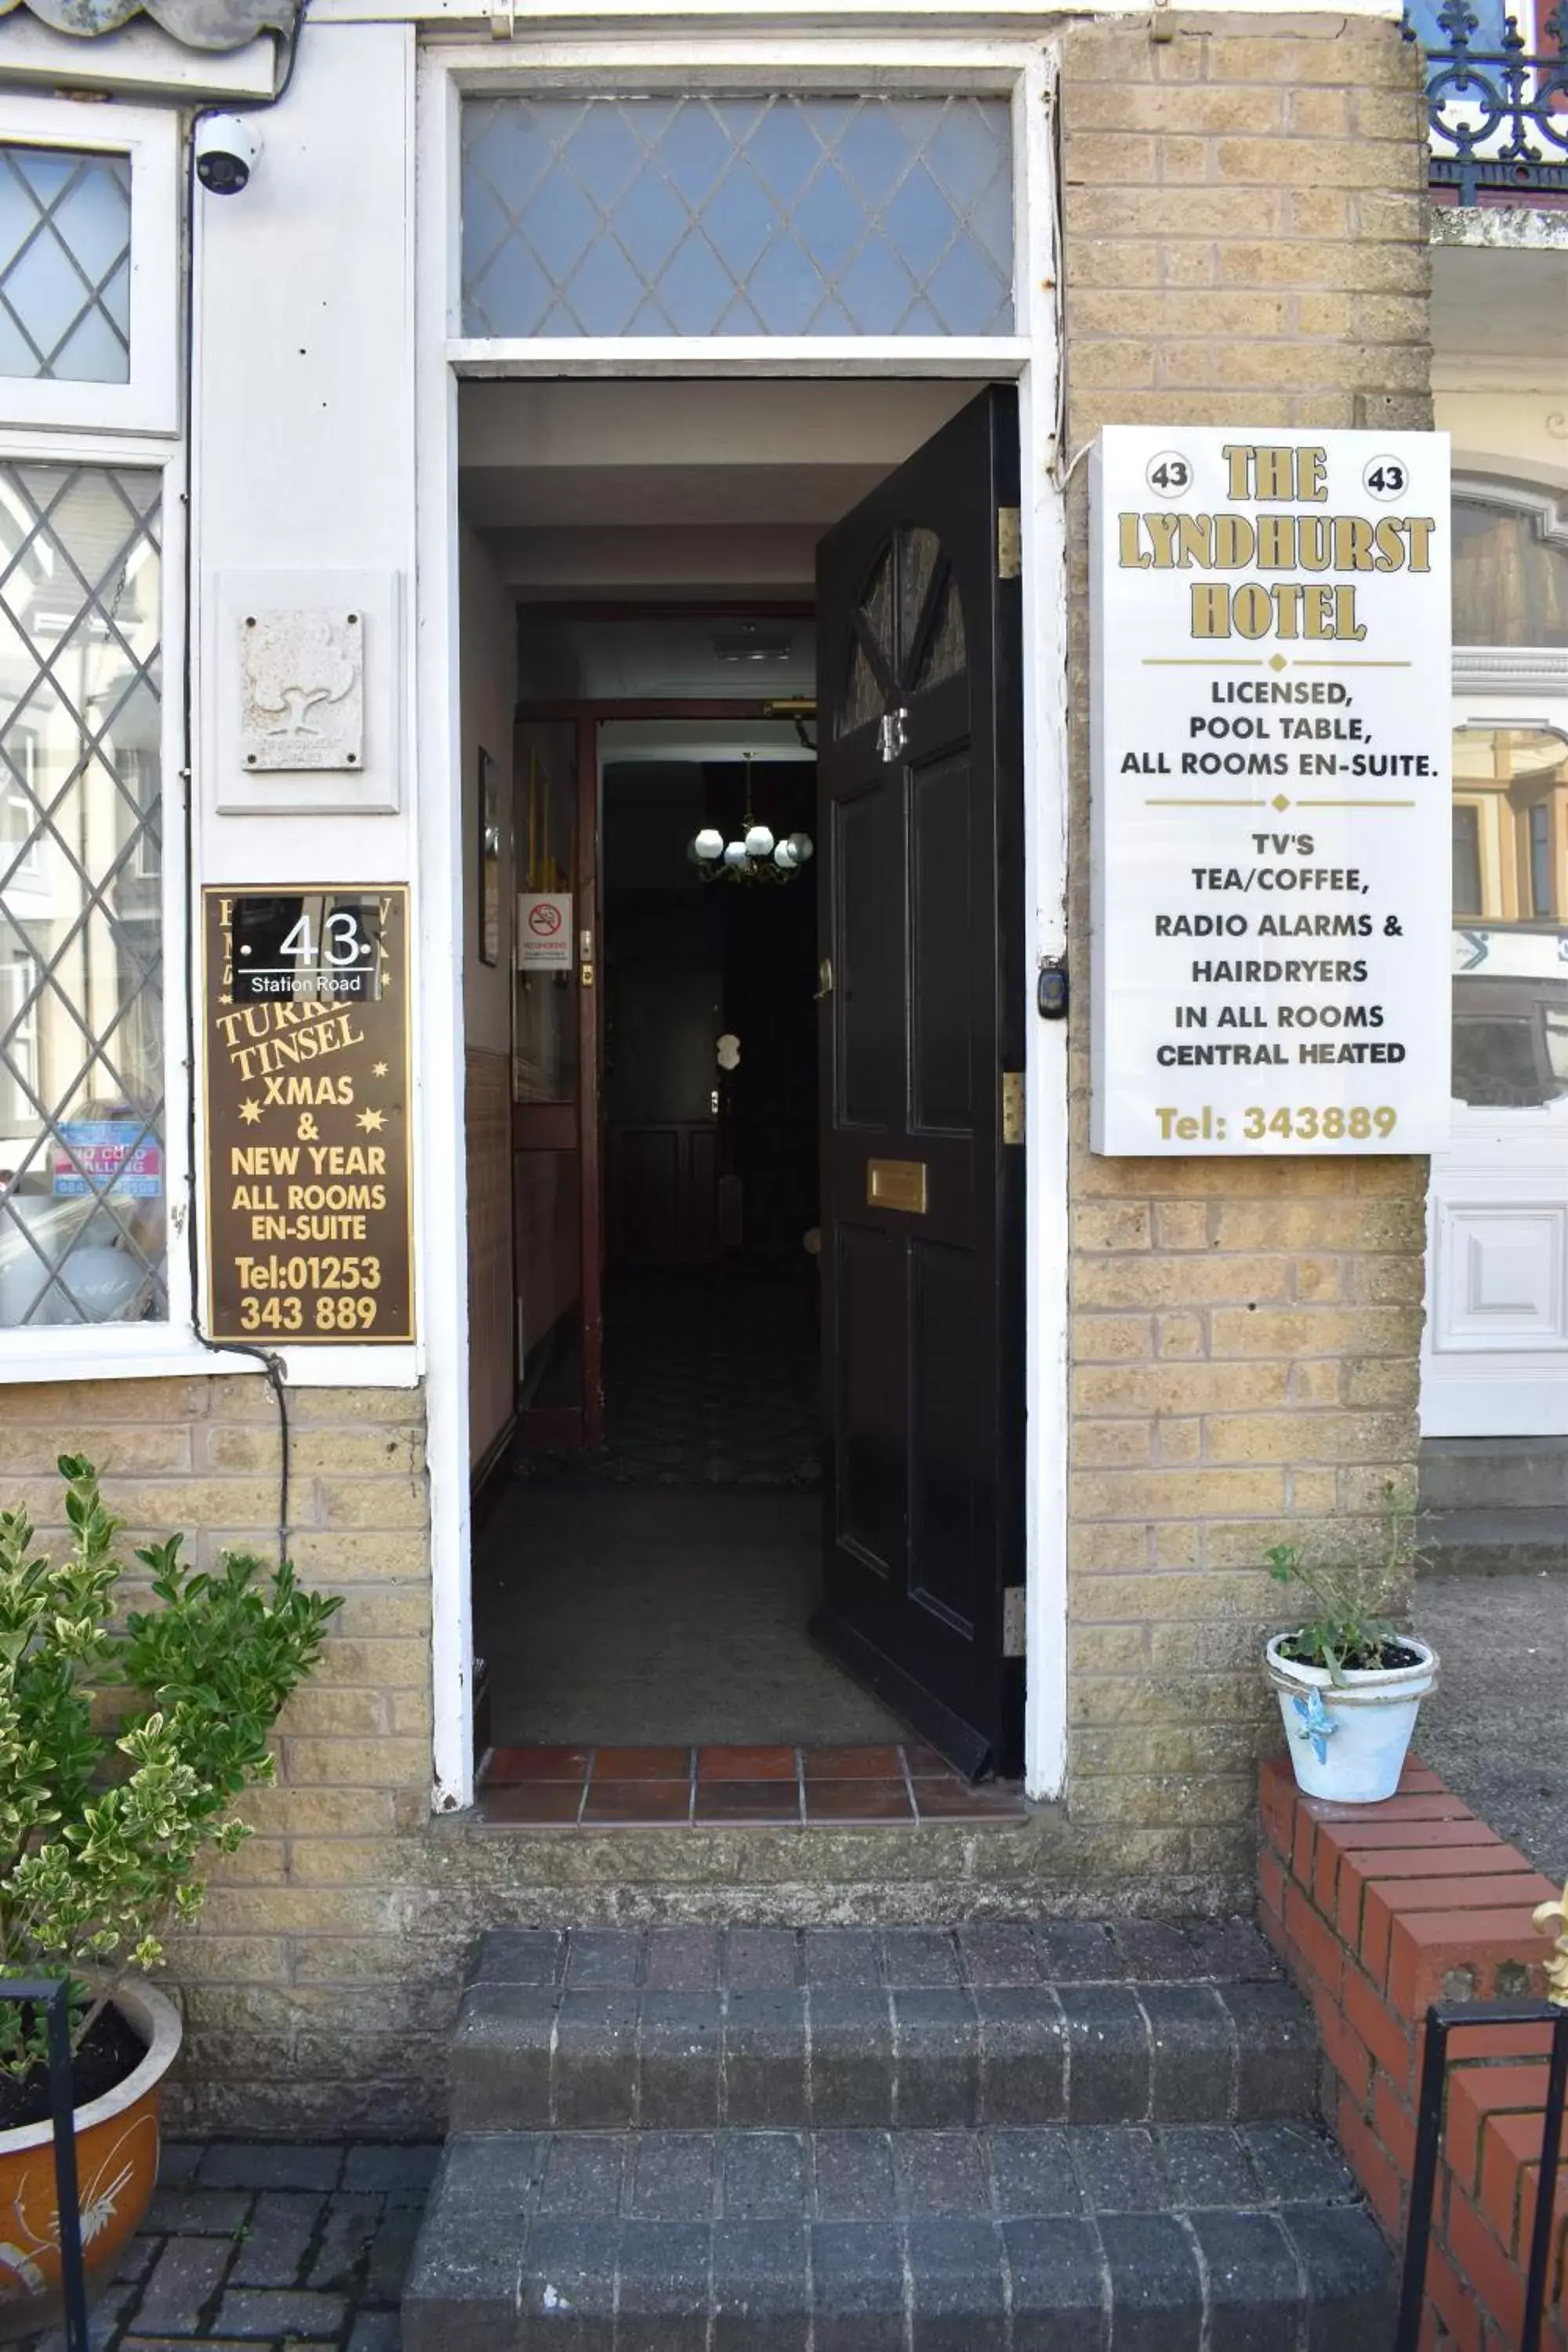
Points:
[(490, 859)]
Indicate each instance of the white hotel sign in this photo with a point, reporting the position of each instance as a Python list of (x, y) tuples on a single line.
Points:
[(1271, 796)]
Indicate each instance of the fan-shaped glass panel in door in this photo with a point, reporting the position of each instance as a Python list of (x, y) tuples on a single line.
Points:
[(908, 630)]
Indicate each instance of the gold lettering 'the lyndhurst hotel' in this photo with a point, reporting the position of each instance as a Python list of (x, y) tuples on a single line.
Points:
[(1275, 542)]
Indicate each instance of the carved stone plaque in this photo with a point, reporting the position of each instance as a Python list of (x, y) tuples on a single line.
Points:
[(301, 687)]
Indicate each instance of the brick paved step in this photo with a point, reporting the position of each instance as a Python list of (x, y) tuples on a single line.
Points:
[(1085, 2238), (1069, 2022)]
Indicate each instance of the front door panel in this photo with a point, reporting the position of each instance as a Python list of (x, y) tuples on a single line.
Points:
[(920, 774)]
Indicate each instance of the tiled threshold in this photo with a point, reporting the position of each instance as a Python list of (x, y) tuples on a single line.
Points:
[(697, 1787)]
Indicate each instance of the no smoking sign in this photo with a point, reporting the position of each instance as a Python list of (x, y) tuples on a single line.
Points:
[(543, 932)]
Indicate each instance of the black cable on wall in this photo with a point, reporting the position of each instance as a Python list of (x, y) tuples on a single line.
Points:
[(271, 1361)]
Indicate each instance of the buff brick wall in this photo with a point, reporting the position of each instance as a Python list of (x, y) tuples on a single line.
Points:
[(1246, 245), (312, 1989)]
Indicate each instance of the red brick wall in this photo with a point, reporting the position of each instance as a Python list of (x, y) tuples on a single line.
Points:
[(1377, 1911)]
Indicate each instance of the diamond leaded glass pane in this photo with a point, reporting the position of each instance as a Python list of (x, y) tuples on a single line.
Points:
[(82, 1165), (65, 265), (774, 214)]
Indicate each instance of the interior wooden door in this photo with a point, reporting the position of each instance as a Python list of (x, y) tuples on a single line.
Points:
[(919, 769), (557, 1145), (662, 1104)]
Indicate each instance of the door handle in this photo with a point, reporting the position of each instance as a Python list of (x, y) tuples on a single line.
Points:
[(823, 981), (892, 735)]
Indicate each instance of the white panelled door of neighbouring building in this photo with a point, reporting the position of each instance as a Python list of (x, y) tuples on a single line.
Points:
[(1495, 1358)]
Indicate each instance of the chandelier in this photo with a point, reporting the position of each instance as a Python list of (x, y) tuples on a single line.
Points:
[(755, 855)]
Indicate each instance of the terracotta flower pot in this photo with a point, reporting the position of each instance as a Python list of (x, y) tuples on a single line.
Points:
[(117, 2171)]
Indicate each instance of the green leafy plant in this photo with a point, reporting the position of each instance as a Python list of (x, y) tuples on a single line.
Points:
[(1358, 1600), (121, 1752)]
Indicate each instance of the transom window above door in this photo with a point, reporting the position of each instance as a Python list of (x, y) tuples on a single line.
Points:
[(774, 214)]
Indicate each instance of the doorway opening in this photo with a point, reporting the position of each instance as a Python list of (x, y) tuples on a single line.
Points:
[(652, 1580), (746, 1364)]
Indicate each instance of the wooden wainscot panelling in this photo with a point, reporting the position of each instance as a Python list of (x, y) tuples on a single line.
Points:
[(487, 1122)]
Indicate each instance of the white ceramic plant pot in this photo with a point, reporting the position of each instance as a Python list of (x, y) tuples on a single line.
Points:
[(1348, 1740)]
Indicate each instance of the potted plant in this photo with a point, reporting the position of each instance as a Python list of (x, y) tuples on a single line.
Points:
[(121, 1753), (1350, 1679)]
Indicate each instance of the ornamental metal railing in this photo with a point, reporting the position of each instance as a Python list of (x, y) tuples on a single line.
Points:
[(52, 1995), (1498, 111), (1443, 2019)]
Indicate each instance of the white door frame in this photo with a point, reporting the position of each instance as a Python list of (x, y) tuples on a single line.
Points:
[(1026, 72)]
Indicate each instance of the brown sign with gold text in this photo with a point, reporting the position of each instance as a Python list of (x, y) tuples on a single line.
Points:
[(309, 1233)]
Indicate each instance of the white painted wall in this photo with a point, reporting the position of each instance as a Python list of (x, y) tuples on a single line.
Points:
[(303, 459), (304, 404), (1520, 435)]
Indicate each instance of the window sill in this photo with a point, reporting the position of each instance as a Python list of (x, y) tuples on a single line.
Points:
[(150, 1353)]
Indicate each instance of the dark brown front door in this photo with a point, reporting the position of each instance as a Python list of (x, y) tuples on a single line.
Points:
[(922, 913)]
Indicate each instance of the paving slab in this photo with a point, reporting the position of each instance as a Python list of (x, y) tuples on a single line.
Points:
[(267, 2246), (1494, 1726)]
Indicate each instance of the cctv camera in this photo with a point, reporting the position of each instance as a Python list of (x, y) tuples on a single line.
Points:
[(226, 147)]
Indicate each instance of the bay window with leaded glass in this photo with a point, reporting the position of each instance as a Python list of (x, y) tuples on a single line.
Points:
[(88, 241), (83, 1139)]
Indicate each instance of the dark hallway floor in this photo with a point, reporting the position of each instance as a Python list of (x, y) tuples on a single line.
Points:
[(611, 1614), (657, 1590), (712, 1377)]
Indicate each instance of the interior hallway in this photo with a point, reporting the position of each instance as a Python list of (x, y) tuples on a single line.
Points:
[(712, 1377), (625, 1616)]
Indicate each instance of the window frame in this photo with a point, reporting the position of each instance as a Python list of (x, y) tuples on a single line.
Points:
[(62, 1351), (11, 797), (1542, 705), (1537, 858), (1523, 687), (625, 65), (1546, 509), (1472, 810), (149, 138)]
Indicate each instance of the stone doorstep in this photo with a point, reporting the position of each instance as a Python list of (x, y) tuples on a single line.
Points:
[(1495, 1542), (688, 2029), (1507, 1475), (874, 1872), (526, 2059), (1008, 2240), (1054, 2137)]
